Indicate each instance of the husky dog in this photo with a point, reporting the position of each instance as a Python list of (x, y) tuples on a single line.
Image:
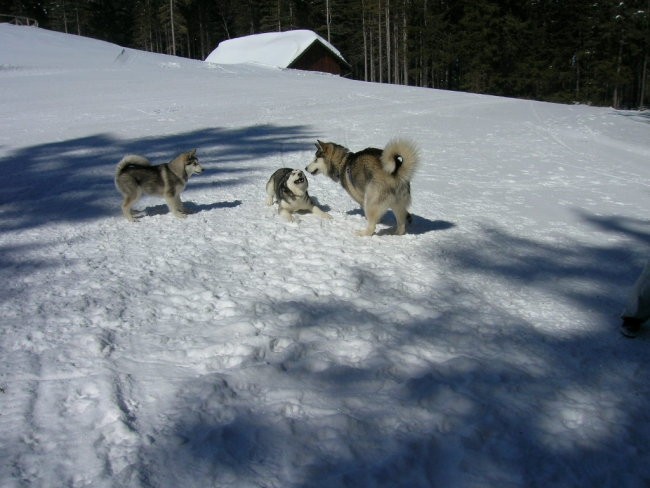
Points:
[(376, 179), (136, 176), (288, 187)]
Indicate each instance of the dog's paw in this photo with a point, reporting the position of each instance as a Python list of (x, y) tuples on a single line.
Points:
[(322, 214), (180, 215), (369, 230), (286, 215)]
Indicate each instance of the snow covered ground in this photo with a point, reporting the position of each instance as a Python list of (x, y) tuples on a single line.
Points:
[(231, 349)]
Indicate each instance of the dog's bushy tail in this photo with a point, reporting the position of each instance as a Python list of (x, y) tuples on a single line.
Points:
[(128, 160), (400, 158), (131, 159)]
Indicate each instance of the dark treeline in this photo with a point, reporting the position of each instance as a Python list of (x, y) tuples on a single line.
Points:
[(588, 51)]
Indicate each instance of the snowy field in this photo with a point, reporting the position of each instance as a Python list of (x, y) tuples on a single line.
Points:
[(231, 349)]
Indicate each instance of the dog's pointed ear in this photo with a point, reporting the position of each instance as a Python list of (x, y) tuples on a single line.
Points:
[(319, 145), (193, 153)]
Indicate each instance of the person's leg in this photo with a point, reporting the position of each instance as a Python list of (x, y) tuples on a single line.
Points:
[(637, 310)]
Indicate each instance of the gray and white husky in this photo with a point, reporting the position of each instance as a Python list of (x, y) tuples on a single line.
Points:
[(288, 187), (377, 179), (136, 176)]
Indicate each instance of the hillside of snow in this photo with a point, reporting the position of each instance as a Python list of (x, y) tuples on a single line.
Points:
[(232, 349)]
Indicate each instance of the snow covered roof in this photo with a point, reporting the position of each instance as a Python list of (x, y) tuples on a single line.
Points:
[(277, 49)]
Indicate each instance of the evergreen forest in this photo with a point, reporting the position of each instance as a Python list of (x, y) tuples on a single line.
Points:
[(569, 51)]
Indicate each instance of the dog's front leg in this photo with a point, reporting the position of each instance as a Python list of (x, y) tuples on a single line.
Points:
[(285, 214), (175, 205), (179, 206), (323, 215), (270, 193)]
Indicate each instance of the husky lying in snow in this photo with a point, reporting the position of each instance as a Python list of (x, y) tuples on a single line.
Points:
[(288, 187), (136, 176)]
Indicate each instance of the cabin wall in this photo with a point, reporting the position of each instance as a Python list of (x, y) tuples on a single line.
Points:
[(317, 58)]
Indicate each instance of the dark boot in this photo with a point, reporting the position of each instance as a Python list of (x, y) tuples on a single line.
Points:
[(630, 327)]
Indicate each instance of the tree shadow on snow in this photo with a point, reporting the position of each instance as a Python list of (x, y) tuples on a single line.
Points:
[(477, 393), (464, 420), (72, 181), (14, 260), (597, 277), (641, 116)]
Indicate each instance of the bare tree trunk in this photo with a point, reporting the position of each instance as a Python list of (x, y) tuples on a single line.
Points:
[(171, 21), (251, 18), (424, 68), (388, 47), (149, 25), (65, 19), (405, 51), (644, 79), (150, 31), (577, 63), (292, 23), (644, 72), (373, 76), (225, 26), (365, 40), (201, 35), (616, 102), (379, 43), (421, 70), (328, 18), (395, 53)]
